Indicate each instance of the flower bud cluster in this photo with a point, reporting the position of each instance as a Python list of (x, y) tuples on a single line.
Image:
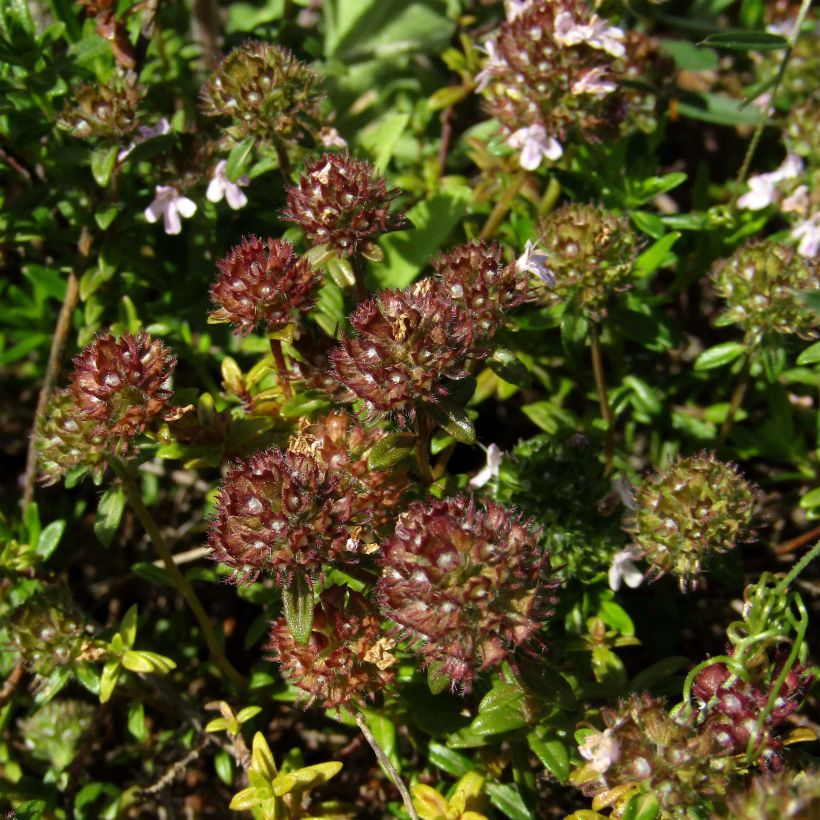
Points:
[(55, 731), (262, 282), (341, 202), (47, 631), (642, 745), (102, 110), (346, 658), (466, 585), (784, 795), (731, 708), (475, 277), (280, 512), (558, 68), (591, 254), (407, 342), (695, 507), (122, 384), (264, 91), (341, 444), (761, 283)]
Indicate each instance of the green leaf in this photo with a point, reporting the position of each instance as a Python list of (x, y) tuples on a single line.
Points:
[(506, 365), (655, 255), (448, 760), (103, 160), (30, 810), (436, 679), (553, 754), (223, 764), (615, 616), (127, 632), (407, 252), (501, 710), (507, 799), (746, 41), (136, 720), (239, 160), (308, 403), (109, 514), (719, 355), (657, 672), (390, 450), (454, 420), (811, 499), (380, 137), (811, 355), (384, 730), (49, 539), (716, 108), (108, 680), (641, 807), (245, 800), (297, 603)]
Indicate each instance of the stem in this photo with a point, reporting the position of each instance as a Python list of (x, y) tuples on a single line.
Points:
[(179, 581), (503, 205), (737, 399), (387, 764), (795, 543), (284, 161), (281, 367), (55, 355), (357, 263), (798, 568), (758, 133), (423, 431), (603, 399)]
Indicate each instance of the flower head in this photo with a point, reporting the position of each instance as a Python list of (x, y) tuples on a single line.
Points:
[(341, 444), (262, 282), (695, 507), (279, 512), (407, 342), (102, 110), (785, 794), (67, 439), (764, 188), (590, 254), (807, 231), (220, 187), (122, 384), (341, 202), (467, 585), (171, 205), (535, 262), (558, 70), (476, 278), (495, 455), (346, 658), (623, 569), (264, 91), (761, 283), (731, 707)]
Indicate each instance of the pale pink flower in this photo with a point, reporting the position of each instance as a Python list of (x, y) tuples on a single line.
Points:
[(220, 187), (808, 232), (597, 34), (170, 205), (535, 144), (493, 66), (514, 8), (798, 203), (600, 750), (145, 133), (763, 188), (593, 82), (330, 138), (535, 261), (623, 569), (495, 455)]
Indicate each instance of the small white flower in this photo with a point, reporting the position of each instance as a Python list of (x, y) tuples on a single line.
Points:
[(623, 569), (493, 66), (514, 8), (220, 187), (535, 261), (495, 456), (601, 750), (170, 205), (808, 232), (596, 33), (535, 144), (145, 133), (593, 82), (330, 137)]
